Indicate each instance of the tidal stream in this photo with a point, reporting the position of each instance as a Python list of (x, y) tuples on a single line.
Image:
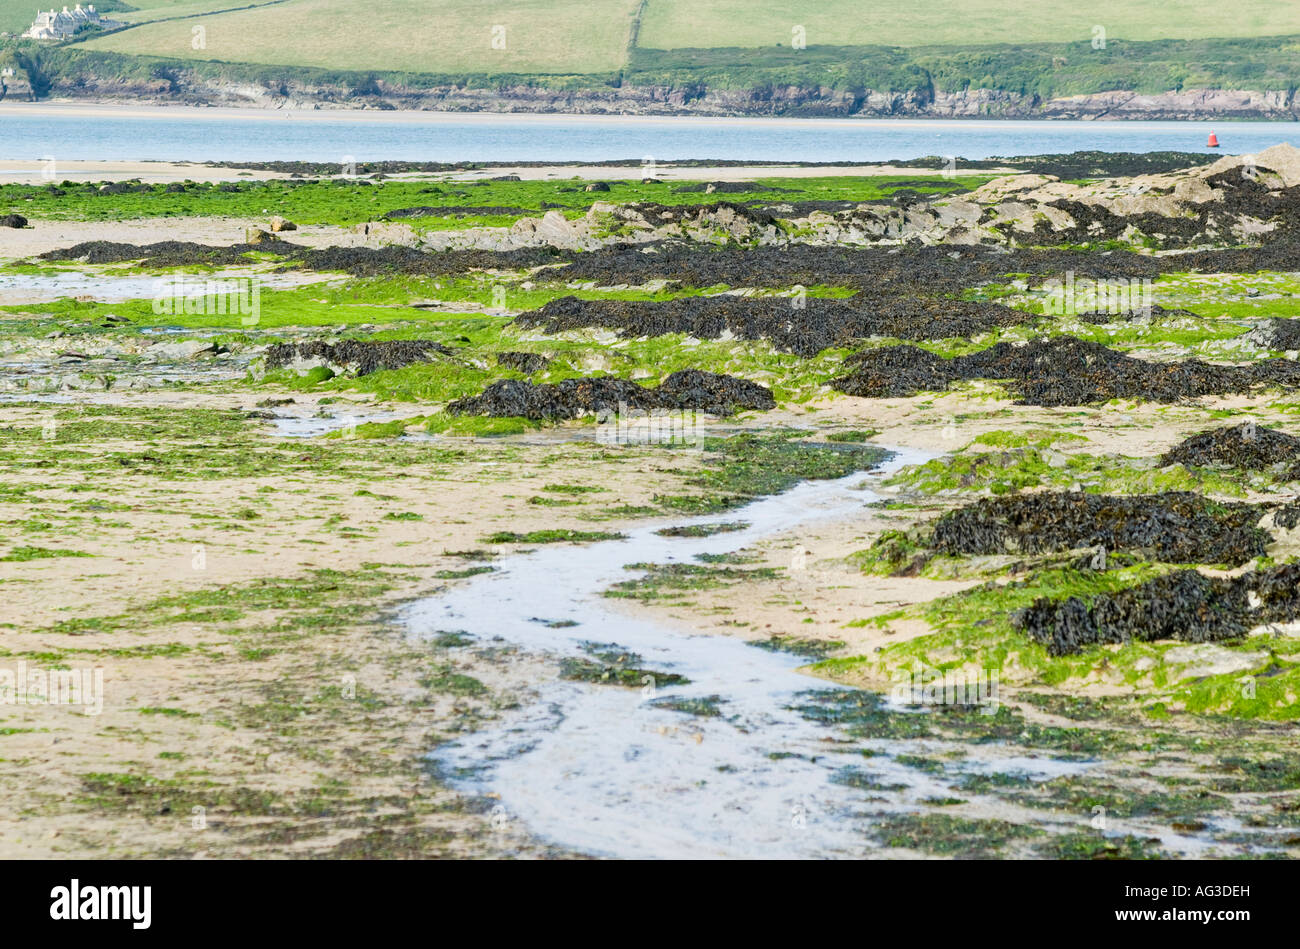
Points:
[(604, 770)]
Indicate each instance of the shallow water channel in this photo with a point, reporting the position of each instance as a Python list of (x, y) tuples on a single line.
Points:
[(33, 288), (601, 769)]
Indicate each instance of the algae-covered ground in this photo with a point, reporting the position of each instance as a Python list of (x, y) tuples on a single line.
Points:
[(225, 510)]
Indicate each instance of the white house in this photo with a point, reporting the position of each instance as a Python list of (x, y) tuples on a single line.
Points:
[(62, 26)]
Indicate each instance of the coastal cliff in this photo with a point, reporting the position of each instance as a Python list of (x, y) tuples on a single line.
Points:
[(188, 87)]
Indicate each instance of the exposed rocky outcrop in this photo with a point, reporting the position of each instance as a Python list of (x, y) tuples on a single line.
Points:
[(1059, 371), (1237, 200), (571, 398), (361, 357), (1171, 528), (802, 326), (1184, 605)]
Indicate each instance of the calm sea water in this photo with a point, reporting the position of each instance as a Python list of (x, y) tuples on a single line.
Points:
[(191, 135)]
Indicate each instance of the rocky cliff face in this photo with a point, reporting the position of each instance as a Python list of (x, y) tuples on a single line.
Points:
[(15, 87), (186, 87)]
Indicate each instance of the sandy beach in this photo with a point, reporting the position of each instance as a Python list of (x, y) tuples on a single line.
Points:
[(42, 172)]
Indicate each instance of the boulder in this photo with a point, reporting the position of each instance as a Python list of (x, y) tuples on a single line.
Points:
[(1207, 659), (1283, 159)]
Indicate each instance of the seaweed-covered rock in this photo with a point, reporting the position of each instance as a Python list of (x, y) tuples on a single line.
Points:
[(12, 220), (163, 253), (1288, 515), (712, 393), (909, 274), (1246, 446), (1281, 335), (393, 259), (1184, 605), (134, 186), (523, 362), (570, 398), (1060, 371), (894, 371), (363, 356), (1178, 527), (918, 271), (804, 327), (454, 211), (725, 187), (1154, 311)]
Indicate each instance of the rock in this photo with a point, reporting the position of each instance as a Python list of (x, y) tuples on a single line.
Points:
[(955, 212), (1276, 333), (186, 349), (1206, 659), (999, 188), (597, 186), (13, 220), (258, 236), (1284, 160), (554, 229), (279, 224)]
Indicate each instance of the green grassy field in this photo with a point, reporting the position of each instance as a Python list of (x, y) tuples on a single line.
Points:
[(439, 36), (676, 24), (146, 11), (1152, 46), (567, 36)]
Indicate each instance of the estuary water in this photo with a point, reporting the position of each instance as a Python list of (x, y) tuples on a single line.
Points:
[(32, 131)]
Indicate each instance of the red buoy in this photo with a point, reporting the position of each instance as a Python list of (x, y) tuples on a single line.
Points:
[(1213, 142)]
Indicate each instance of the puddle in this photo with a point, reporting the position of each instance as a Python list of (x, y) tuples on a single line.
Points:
[(111, 288), (310, 426)]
